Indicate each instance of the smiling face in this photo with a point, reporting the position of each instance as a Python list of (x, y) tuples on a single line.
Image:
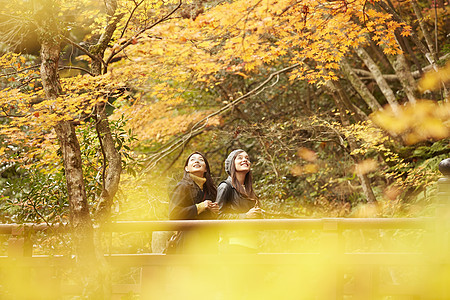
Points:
[(242, 162), (196, 165)]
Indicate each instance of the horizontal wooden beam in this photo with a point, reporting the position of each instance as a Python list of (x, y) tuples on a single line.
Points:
[(258, 224)]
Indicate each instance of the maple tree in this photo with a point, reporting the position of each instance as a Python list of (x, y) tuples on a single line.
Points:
[(213, 56), (175, 70), (45, 106), (239, 50), (295, 83)]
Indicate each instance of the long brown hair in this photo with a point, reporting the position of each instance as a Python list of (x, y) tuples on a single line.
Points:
[(248, 181), (209, 188)]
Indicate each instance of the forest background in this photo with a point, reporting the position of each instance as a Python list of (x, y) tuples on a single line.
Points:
[(341, 105)]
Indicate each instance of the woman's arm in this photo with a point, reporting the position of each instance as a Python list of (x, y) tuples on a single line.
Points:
[(181, 205)]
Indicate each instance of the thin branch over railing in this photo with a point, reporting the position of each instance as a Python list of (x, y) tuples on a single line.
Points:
[(200, 125)]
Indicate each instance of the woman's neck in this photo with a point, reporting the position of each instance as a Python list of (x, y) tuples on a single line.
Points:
[(240, 176)]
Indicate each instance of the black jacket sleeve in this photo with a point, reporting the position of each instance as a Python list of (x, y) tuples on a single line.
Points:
[(224, 200), (182, 206)]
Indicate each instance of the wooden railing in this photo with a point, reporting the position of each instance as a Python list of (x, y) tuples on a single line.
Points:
[(333, 270), (331, 252)]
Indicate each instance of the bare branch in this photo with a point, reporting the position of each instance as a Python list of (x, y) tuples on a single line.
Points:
[(131, 15), (20, 71), (92, 56), (198, 127), (75, 68), (24, 83), (130, 40), (7, 115)]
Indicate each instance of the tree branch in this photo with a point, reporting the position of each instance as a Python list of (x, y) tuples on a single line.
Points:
[(75, 68), (198, 127), (129, 18), (20, 71), (130, 40), (92, 56), (7, 115)]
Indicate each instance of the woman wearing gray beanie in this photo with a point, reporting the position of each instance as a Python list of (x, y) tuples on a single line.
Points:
[(237, 200)]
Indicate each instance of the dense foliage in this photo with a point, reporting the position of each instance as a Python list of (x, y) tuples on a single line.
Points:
[(300, 85)]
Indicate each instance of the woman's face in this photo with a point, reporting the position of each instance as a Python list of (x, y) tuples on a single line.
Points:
[(242, 162), (196, 165)]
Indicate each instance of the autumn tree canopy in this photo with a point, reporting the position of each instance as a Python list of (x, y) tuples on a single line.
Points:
[(314, 90)]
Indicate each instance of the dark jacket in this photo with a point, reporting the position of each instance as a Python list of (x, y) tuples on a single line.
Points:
[(231, 203), (183, 199), (182, 207)]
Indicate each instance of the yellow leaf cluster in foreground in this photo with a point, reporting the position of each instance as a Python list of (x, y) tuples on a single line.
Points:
[(416, 122)]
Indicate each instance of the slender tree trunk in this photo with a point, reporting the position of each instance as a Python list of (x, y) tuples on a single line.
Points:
[(112, 166), (413, 36), (379, 56), (411, 53), (359, 86), (359, 115), (403, 72), (428, 53), (112, 163), (425, 32), (99, 48), (378, 76), (80, 221), (79, 209)]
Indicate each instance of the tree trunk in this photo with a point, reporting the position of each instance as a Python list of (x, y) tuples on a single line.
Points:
[(403, 72), (378, 76), (99, 49), (359, 86), (424, 29), (112, 167), (79, 209), (359, 115), (112, 163), (413, 36), (80, 221), (428, 53)]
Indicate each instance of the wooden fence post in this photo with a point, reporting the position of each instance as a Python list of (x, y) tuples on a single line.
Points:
[(19, 244), (331, 254), (442, 238)]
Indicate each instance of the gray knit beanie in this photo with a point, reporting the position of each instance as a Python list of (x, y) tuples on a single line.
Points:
[(230, 160)]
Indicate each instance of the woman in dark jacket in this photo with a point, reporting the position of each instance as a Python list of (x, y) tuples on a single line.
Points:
[(193, 199), (237, 200)]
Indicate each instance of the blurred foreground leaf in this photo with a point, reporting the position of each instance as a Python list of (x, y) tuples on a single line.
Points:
[(425, 120)]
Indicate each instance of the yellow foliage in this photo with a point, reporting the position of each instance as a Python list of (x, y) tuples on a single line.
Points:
[(159, 120), (434, 80), (239, 36), (416, 122), (307, 154), (310, 168), (365, 166)]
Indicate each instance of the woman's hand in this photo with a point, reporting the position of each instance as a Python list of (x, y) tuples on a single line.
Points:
[(254, 213), (212, 206)]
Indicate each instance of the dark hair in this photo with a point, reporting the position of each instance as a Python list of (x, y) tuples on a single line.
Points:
[(248, 181), (209, 188)]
